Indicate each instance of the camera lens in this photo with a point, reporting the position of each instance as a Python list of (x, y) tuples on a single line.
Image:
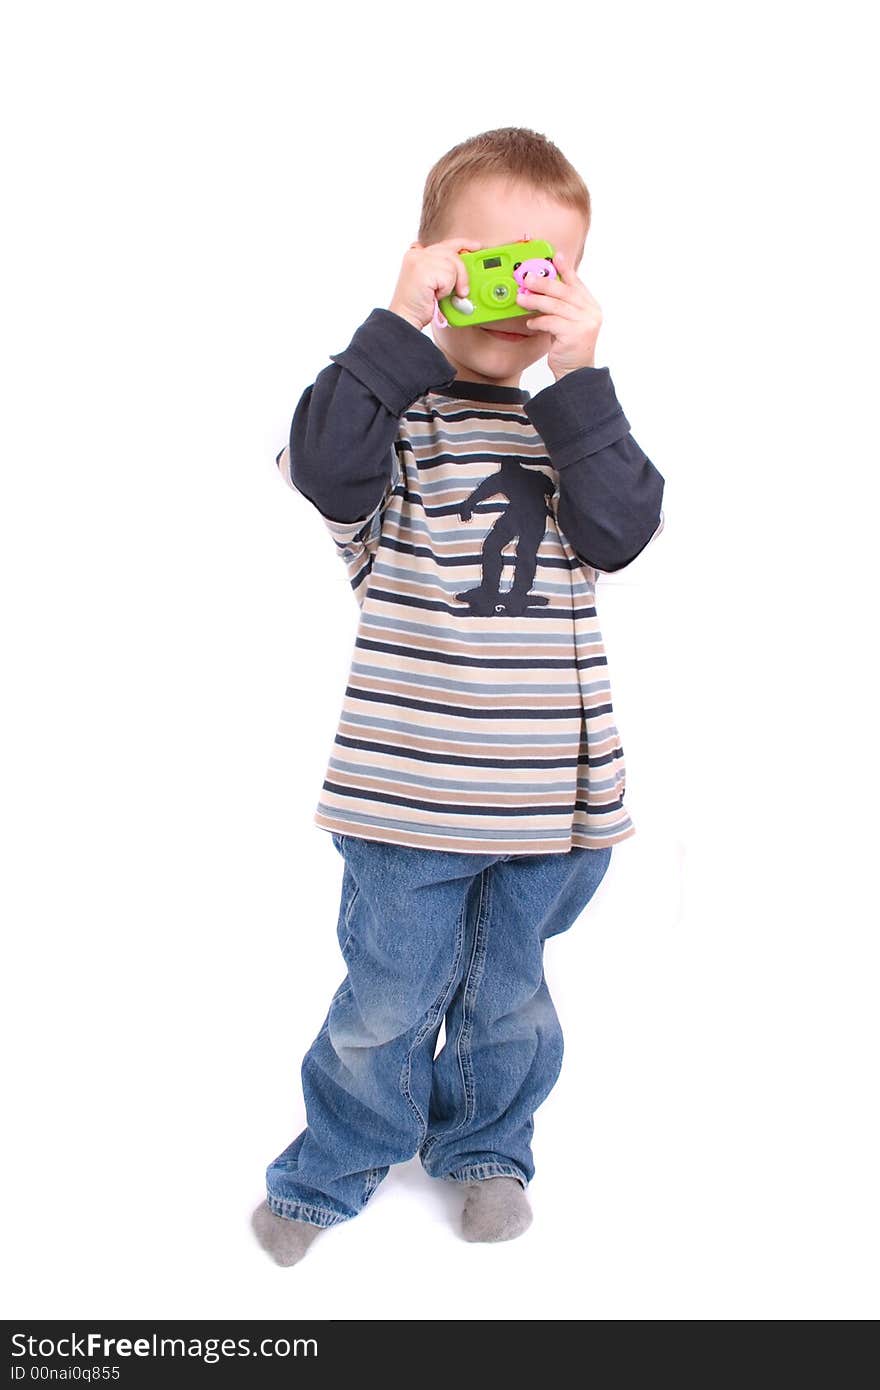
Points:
[(500, 293)]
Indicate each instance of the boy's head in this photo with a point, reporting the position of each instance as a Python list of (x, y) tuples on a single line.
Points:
[(498, 187)]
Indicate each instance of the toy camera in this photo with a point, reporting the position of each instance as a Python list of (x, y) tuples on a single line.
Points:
[(494, 275)]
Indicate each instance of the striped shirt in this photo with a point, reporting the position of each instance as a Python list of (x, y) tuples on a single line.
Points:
[(477, 715)]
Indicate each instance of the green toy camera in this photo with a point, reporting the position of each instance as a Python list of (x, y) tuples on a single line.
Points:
[(495, 274)]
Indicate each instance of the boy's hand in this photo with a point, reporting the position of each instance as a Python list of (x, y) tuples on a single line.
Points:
[(427, 274), (568, 313)]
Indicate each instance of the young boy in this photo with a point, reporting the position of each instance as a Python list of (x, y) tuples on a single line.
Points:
[(476, 782)]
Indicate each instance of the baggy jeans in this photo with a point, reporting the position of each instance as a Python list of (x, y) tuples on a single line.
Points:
[(428, 935)]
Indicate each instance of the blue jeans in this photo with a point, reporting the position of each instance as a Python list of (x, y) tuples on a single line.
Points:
[(427, 934)]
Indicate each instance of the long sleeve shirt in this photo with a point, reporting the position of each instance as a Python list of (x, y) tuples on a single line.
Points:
[(473, 520)]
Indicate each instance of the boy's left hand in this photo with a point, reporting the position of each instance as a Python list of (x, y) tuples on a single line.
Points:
[(568, 312)]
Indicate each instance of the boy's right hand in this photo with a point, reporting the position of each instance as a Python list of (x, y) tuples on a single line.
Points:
[(427, 274)]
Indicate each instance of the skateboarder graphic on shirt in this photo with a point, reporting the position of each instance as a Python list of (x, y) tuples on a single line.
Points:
[(528, 491)]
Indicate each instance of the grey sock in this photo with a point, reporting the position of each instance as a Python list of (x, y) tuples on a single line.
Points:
[(285, 1239), (495, 1209)]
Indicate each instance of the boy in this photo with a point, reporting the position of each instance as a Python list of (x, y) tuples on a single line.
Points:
[(476, 782)]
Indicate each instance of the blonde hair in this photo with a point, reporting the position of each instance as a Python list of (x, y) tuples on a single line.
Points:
[(513, 153)]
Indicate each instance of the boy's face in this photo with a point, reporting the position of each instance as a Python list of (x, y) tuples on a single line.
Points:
[(494, 212)]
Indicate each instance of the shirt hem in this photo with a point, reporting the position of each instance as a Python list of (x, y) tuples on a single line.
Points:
[(409, 839)]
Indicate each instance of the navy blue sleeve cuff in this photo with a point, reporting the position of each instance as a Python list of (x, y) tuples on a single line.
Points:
[(395, 360), (578, 415)]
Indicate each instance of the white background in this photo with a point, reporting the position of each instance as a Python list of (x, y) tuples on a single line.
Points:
[(203, 201)]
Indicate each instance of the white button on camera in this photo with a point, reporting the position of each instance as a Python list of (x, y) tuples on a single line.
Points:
[(464, 306)]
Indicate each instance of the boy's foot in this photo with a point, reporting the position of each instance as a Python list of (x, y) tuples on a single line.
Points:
[(285, 1240), (495, 1209)]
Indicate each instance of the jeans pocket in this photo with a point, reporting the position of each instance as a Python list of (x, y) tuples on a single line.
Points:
[(345, 926)]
